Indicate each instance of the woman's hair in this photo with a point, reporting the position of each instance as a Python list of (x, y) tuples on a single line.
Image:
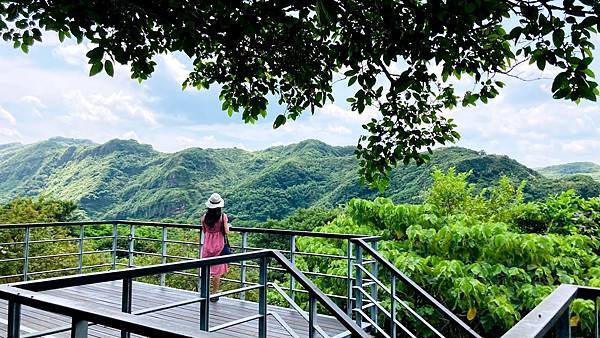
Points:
[(212, 216)]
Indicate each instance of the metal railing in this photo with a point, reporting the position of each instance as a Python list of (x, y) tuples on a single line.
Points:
[(553, 314), (384, 319), (122, 242), (27, 294)]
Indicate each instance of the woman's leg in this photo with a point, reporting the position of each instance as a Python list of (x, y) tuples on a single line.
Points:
[(216, 283)]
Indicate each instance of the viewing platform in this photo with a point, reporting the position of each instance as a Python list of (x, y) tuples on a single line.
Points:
[(144, 279), (107, 297)]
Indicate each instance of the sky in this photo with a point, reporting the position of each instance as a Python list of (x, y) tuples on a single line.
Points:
[(48, 93)]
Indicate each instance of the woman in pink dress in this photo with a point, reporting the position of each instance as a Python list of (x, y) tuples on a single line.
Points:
[(214, 227)]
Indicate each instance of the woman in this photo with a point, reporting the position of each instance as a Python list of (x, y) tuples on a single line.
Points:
[(214, 227)]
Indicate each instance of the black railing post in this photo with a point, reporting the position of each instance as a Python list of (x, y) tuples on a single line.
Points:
[(563, 325), (243, 265), (349, 279), (163, 253), (375, 273), (393, 307), (26, 253), (312, 315), (293, 261), (262, 298), (200, 242), (80, 254), (126, 299), (205, 297), (79, 328), (597, 327), (131, 248), (358, 306), (14, 320), (115, 237)]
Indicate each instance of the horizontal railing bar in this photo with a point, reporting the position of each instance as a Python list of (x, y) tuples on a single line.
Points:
[(415, 287), (544, 316), (374, 324), (52, 224), (325, 301), (195, 227), (174, 241), (115, 319), (12, 259), (167, 306), (285, 325), (68, 269), (70, 254), (97, 237), (375, 303), (295, 306), (12, 243), (91, 278), (302, 253), (234, 291), (234, 322)]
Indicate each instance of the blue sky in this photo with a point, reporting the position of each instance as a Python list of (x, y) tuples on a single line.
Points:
[(48, 93)]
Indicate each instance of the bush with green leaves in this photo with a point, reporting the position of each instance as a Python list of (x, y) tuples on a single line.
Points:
[(488, 254)]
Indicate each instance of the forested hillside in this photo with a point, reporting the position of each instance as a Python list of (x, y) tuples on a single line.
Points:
[(570, 169), (125, 179)]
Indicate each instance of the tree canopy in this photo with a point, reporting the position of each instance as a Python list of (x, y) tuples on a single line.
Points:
[(400, 55)]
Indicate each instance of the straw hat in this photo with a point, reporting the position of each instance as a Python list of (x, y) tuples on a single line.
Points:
[(215, 201)]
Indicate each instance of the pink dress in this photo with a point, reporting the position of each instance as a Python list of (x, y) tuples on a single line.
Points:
[(214, 241)]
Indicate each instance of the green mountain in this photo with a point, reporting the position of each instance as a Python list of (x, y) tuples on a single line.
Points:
[(570, 169), (125, 179)]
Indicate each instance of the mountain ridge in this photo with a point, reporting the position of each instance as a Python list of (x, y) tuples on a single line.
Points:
[(126, 179)]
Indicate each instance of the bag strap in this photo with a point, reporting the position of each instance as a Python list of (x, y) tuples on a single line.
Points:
[(223, 228)]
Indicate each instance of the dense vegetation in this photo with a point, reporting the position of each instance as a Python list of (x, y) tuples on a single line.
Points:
[(490, 256), (487, 253), (569, 169), (124, 179)]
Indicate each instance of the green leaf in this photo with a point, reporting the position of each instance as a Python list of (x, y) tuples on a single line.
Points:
[(352, 80), (541, 63), (558, 37), (326, 11), (96, 53), (108, 67), (96, 68), (279, 121)]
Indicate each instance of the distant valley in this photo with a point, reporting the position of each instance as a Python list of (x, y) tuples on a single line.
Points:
[(125, 179)]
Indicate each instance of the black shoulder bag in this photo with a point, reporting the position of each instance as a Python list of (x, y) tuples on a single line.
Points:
[(226, 248)]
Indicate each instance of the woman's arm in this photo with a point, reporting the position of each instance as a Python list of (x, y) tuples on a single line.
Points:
[(225, 224)]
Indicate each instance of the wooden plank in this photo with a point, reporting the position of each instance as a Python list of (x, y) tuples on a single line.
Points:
[(107, 295)]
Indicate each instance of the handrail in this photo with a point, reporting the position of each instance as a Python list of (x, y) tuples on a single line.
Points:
[(119, 234), (553, 313), (187, 226), (84, 313), (327, 303), (401, 277), (24, 293)]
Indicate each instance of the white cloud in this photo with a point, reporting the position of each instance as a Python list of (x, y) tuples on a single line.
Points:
[(73, 54), (10, 133), (130, 135), (112, 108), (339, 130), (34, 103), (334, 111), (176, 69), (6, 115)]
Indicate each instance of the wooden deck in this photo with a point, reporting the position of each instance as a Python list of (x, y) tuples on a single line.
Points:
[(108, 296)]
